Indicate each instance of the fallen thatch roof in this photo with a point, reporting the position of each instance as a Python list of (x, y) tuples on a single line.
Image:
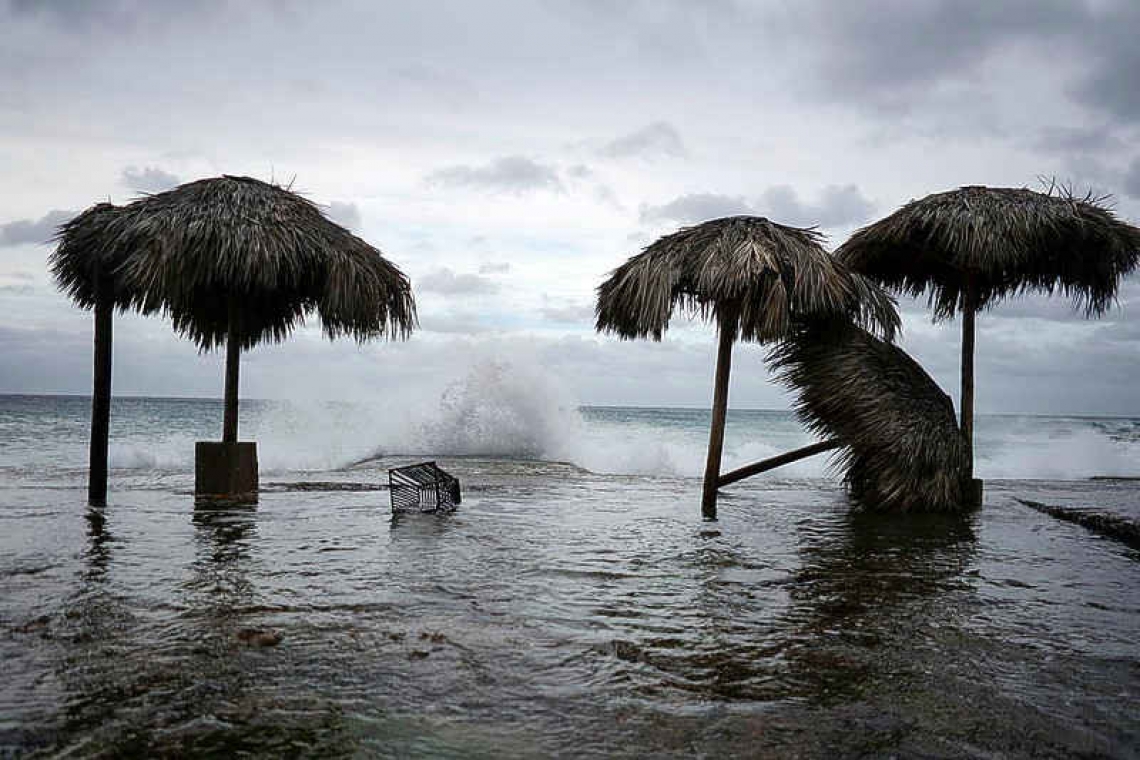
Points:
[(745, 267), (1008, 240), (193, 251), (903, 450)]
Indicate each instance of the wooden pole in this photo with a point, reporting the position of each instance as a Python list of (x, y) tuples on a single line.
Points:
[(101, 392), (777, 461), (233, 360), (720, 407), (969, 313)]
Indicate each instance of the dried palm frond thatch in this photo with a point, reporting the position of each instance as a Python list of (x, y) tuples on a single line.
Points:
[(759, 273), (754, 278), (84, 258), (196, 250), (972, 247), (1007, 241), (903, 450)]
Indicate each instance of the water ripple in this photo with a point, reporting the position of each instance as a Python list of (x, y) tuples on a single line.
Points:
[(563, 615)]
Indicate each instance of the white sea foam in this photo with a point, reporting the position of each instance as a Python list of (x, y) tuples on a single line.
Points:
[(1079, 453), (507, 408), (503, 409), (169, 455), (515, 408)]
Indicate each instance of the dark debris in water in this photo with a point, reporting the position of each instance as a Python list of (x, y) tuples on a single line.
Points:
[(259, 637), (1111, 526), (324, 486), (30, 570), (38, 625)]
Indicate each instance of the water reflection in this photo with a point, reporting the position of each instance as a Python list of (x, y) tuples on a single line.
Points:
[(730, 662), (866, 561), (223, 534), (92, 632), (415, 526), (98, 553), (219, 583), (872, 586)]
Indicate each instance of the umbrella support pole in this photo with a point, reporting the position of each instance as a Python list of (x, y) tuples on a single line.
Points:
[(233, 364), (777, 461), (969, 315), (727, 336), (975, 489), (226, 472), (101, 394)]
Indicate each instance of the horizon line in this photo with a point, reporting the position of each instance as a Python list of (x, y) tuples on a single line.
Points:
[(682, 407)]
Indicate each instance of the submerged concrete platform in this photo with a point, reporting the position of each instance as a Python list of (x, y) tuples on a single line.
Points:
[(225, 472), (977, 492)]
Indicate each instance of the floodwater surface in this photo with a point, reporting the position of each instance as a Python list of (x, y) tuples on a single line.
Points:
[(558, 612)]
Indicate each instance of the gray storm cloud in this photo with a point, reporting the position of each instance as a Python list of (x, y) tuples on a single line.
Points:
[(567, 313), (510, 174), (472, 135), (344, 214), (884, 45), (1132, 179), (837, 206), (447, 282), (657, 139), (33, 231), (696, 207), (149, 179)]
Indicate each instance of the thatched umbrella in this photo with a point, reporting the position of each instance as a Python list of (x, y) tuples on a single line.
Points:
[(86, 269), (238, 261), (902, 448), (972, 247), (749, 275)]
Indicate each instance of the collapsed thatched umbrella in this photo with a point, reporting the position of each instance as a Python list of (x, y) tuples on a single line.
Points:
[(238, 261), (972, 247), (86, 269), (751, 276), (902, 448)]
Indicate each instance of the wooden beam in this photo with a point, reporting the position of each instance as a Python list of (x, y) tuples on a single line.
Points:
[(969, 314), (101, 392), (727, 337), (777, 461), (233, 361)]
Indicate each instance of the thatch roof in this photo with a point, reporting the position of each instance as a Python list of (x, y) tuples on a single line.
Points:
[(903, 450), (1010, 240), (83, 255), (187, 251), (765, 273)]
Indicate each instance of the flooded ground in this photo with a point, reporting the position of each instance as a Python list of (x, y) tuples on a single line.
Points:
[(562, 613)]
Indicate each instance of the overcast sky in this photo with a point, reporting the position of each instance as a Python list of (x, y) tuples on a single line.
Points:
[(507, 155)]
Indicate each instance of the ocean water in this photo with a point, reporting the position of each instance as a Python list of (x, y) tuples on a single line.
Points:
[(575, 605)]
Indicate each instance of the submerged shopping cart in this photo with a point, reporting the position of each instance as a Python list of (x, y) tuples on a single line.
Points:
[(423, 487)]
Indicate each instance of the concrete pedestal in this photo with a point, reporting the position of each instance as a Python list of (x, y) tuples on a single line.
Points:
[(977, 490), (225, 472)]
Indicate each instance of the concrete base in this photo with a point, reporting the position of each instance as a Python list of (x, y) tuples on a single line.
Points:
[(225, 472), (977, 490)]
